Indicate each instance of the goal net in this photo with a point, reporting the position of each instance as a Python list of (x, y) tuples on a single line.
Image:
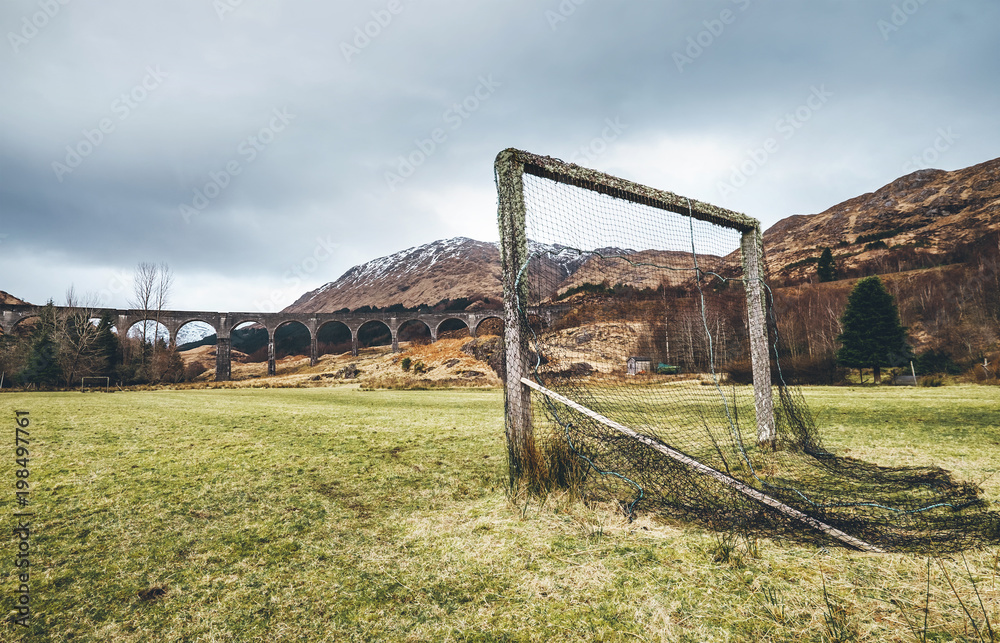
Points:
[(96, 382), (642, 366)]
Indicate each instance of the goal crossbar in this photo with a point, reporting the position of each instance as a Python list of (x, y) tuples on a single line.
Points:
[(100, 378), (602, 183), (708, 471)]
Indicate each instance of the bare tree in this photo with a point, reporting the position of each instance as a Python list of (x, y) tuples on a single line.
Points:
[(77, 335), (151, 286)]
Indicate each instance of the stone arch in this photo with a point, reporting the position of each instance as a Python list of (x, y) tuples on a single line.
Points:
[(291, 342), (491, 325), (415, 331), (334, 337), (234, 324), (374, 332), (452, 325), (21, 325), (161, 330), (181, 323)]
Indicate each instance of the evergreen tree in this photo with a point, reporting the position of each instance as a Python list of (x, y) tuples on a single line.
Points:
[(42, 365), (826, 269), (872, 335), (43, 361), (108, 350)]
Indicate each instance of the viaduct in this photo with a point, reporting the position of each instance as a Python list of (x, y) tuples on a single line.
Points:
[(225, 323)]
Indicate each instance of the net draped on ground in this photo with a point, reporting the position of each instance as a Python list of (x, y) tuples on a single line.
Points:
[(662, 295)]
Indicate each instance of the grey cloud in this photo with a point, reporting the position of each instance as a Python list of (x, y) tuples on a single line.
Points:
[(559, 79)]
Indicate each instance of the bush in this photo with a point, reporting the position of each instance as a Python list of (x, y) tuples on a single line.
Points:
[(349, 372), (405, 363), (936, 362), (931, 381), (193, 370)]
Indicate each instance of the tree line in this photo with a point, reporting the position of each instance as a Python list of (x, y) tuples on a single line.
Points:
[(950, 313), (61, 346)]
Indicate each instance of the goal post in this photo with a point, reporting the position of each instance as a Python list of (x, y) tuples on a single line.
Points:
[(639, 340), (97, 380), (511, 166)]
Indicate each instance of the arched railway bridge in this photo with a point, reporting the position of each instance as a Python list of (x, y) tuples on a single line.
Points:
[(225, 323)]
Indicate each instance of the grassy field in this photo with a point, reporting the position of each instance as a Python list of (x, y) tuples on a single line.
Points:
[(335, 514)]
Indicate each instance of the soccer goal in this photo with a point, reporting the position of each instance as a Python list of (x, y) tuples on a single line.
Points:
[(95, 383), (642, 365)]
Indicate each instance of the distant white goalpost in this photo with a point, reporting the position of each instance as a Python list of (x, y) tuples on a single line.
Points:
[(93, 382)]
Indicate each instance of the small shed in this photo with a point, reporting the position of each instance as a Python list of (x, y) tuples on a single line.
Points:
[(639, 365)]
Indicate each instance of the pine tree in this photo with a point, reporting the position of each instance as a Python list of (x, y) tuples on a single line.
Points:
[(872, 335), (42, 365), (826, 269), (108, 349), (43, 362)]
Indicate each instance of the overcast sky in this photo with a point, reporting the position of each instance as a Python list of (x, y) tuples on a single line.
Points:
[(257, 146)]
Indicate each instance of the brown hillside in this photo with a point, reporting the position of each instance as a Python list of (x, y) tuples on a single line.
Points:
[(922, 218), (426, 275), (644, 269), (8, 299)]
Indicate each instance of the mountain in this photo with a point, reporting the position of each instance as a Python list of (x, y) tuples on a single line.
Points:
[(8, 299), (451, 269), (421, 276), (634, 268), (922, 219)]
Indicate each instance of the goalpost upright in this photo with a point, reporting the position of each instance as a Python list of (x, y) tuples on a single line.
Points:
[(510, 167)]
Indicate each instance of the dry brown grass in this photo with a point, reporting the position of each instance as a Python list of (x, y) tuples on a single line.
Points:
[(446, 366)]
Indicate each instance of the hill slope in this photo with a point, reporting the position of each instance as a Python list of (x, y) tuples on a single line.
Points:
[(426, 275), (922, 218), (419, 276), (8, 299)]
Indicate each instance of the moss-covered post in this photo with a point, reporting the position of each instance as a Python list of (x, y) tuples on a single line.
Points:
[(514, 252), (752, 247)]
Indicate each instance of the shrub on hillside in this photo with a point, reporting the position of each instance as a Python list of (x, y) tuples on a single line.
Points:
[(936, 362)]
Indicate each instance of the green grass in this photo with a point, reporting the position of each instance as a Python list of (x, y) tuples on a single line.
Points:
[(347, 515)]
